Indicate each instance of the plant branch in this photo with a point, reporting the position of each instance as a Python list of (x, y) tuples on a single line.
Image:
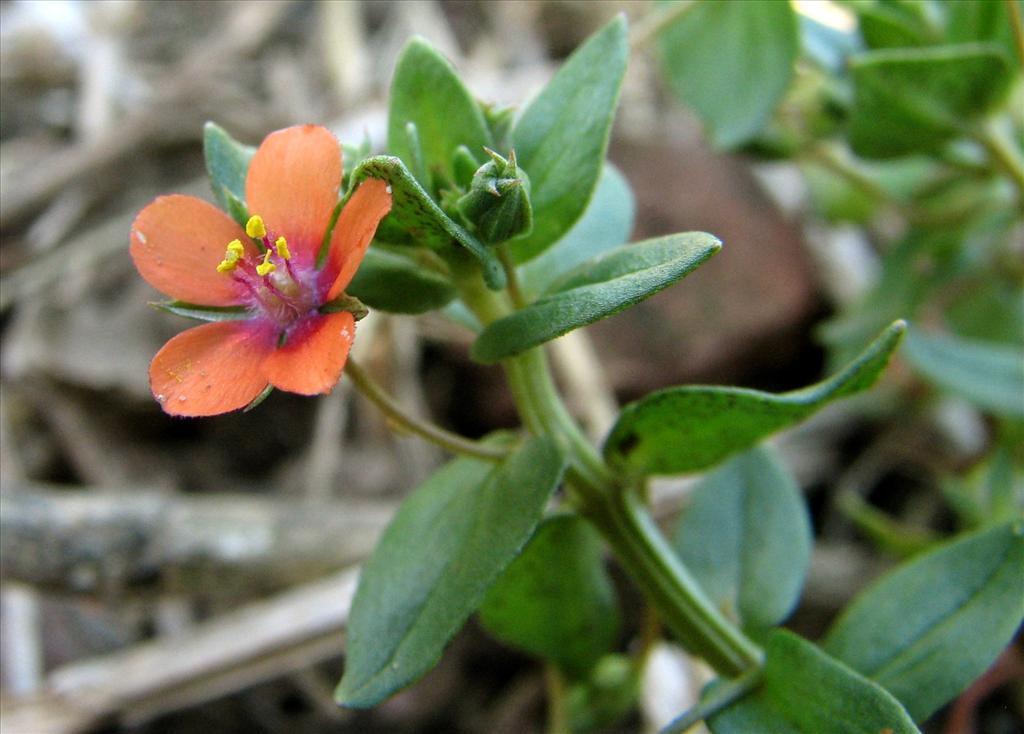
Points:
[(436, 435)]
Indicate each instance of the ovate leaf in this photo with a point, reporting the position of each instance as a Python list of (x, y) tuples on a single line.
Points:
[(731, 61), (393, 281), (989, 374), (427, 92), (418, 217), (929, 628), (684, 429), (556, 599), (227, 163), (804, 690), (597, 289), (916, 99), (746, 536), (607, 223), (448, 543), (561, 137)]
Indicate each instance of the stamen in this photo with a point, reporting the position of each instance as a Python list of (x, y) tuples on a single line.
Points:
[(255, 228), (282, 248), (232, 254), (266, 267)]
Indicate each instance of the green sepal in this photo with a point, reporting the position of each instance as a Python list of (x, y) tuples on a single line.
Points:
[(352, 156), (419, 216), (259, 398), (497, 204), (345, 302), (464, 166), (203, 313), (686, 429), (227, 164)]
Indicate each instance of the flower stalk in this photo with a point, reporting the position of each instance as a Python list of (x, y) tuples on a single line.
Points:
[(430, 432)]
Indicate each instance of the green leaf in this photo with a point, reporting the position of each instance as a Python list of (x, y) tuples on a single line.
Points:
[(891, 25), (415, 213), (929, 628), (731, 61), (561, 137), (203, 313), (597, 289), (556, 599), (974, 20), (989, 374), (607, 223), (917, 99), (427, 92), (448, 543), (227, 163), (805, 691), (391, 280), (684, 429), (746, 537)]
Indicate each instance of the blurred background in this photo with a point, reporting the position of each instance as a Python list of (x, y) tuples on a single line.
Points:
[(164, 575)]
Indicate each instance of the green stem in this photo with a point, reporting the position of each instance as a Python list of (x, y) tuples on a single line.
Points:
[(436, 435), (1017, 24), (558, 710), (647, 557), (720, 697), (828, 158), (615, 510), (1002, 154), (515, 291), (655, 22)]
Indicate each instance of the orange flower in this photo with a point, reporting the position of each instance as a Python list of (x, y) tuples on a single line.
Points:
[(193, 252)]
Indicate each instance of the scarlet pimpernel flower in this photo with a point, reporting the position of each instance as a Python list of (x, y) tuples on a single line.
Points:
[(287, 335)]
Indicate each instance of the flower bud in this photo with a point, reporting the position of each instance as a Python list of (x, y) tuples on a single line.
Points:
[(498, 202)]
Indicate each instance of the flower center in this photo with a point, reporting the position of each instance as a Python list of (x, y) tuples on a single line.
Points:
[(275, 286)]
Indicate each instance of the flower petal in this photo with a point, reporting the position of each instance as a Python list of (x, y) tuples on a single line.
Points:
[(310, 362), (293, 184), (354, 231), (211, 369), (177, 242)]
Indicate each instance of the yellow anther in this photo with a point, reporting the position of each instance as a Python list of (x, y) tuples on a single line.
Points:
[(232, 254), (254, 227), (282, 248), (266, 267)]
